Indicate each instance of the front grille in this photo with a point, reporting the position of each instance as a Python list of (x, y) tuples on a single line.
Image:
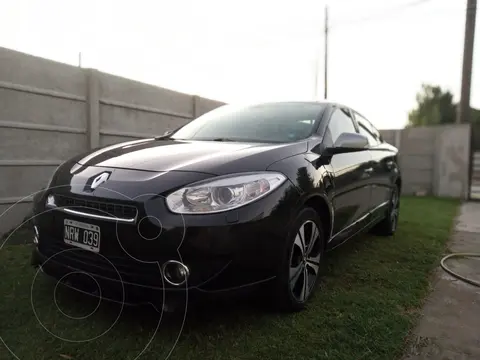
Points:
[(130, 270), (97, 207)]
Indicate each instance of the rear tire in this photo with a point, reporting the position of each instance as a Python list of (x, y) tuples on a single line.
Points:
[(299, 270), (388, 225)]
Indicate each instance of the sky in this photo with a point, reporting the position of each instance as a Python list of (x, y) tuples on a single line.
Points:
[(255, 51)]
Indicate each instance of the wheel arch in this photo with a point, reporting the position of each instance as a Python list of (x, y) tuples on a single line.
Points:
[(398, 182), (323, 207)]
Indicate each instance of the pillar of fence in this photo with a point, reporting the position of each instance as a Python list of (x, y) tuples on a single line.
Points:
[(93, 108)]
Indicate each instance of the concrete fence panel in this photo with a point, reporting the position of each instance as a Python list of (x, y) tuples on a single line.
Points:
[(389, 136), (18, 181), (26, 72), (130, 92), (203, 105), (23, 144), (452, 161), (433, 160), (39, 109), (114, 120)]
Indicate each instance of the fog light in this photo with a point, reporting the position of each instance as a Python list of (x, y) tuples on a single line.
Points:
[(36, 235), (180, 273), (175, 273)]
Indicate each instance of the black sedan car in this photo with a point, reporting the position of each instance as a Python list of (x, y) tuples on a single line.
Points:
[(242, 197)]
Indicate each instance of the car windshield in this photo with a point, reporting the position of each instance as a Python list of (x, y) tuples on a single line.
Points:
[(274, 122)]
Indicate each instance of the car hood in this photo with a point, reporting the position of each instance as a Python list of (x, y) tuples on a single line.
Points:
[(211, 157)]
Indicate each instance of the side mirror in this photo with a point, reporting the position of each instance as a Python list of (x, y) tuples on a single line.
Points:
[(348, 142)]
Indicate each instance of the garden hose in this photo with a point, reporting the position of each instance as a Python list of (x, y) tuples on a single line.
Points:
[(456, 275)]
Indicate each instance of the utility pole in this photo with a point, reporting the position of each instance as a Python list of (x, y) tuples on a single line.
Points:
[(80, 59), (463, 111), (326, 52)]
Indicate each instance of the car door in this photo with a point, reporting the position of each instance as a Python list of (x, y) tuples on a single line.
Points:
[(351, 199), (380, 179)]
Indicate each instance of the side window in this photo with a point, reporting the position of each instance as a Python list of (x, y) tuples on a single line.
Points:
[(374, 131), (368, 130), (341, 121)]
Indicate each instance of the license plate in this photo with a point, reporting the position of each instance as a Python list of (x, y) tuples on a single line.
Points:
[(82, 235)]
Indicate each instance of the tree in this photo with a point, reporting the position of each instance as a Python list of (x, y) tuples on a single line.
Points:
[(435, 106), (475, 116)]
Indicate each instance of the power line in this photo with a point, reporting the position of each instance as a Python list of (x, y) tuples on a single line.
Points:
[(393, 10), (440, 11)]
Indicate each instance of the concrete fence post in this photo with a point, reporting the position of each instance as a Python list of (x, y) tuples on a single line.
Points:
[(93, 108), (398, 138), (438, 165)]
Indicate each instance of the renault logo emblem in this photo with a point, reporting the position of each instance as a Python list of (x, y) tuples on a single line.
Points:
[(100, 179)]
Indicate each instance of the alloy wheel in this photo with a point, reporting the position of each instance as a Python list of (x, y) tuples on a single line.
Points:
[(305, 261)]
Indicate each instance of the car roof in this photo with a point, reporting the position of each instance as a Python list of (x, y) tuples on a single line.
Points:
[(320, 102)]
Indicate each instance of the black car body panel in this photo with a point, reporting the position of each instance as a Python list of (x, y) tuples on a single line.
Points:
[(205, 240), (228, 249), (198, 156)]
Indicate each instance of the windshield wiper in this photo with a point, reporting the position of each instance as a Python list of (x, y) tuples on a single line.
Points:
[(162, 137), (222, 139)]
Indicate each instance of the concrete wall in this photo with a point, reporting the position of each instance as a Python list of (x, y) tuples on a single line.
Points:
[(50, 111), (433, 160)]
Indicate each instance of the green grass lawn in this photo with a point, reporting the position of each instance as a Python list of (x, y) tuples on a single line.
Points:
[(365, 308)]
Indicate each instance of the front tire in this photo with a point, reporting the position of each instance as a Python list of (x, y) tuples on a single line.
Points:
[(388, 225), (303, 255)]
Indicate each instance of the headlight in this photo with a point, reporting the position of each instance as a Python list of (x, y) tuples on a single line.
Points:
[(223, 193)]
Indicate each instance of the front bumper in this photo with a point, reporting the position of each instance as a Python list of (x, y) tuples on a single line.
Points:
[(224, 252)]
